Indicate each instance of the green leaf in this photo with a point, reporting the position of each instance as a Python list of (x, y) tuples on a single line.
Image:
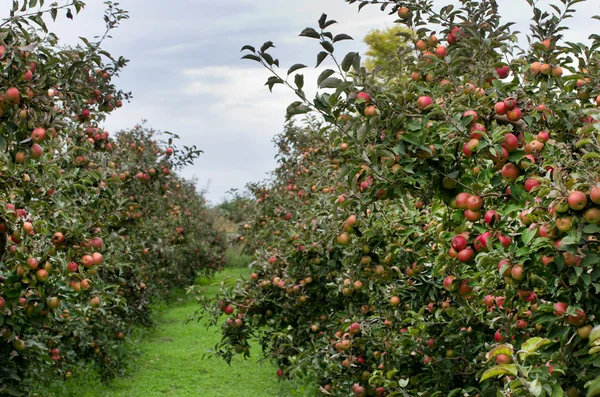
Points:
[(266, 46), (501, 349), (321, 57), (532, 345), (341, 37), (299, 81), (248, 47), (348, 60), (557, 391), (327, 46), (310, 32), (251, 57), (528, 235), (594, 389), (591, 229), (499, 370), (324, 74), (330, 82), (595, 333), (295, 67)]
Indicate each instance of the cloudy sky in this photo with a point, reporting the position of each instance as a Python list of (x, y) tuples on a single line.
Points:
[(186, 74)]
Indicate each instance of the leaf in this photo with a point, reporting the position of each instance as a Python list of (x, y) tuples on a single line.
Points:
[(591, 229), (296, 108), (331, 82), (499, 370), (321, 57), (532, 345), (501, 349), (266, 46), (324, 74), (594, 389), (271, 81), (557, 391), (590, 155), (528, 235), (327, 46), (341, 37), (348, 61), (322, 21), (295, 67), (310, 32), (252, 57), (595, 333), (299, 81), (248, 47)]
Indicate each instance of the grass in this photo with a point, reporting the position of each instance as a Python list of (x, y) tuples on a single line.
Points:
[(171, 361)]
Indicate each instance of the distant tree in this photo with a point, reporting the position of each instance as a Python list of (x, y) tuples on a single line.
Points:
[(384, 46)]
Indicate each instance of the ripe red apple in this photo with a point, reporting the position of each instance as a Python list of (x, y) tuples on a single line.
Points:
[(564, 224), (472, 215), (579, 319), (510, 172), (474, 203), (459, 243), (503, 359), (58, 238), (441, 51), (97, 258), (543, 136), (498, 337), (491, 217), (461, 200), (72, 267), (500, 108), (481, 242), (592, 215), (364, 96), (514, 114), (466, 255), (36, 151), (370, 111), (506, 241), (511, 143), (503, 71), (521, 324), (510, 103), (517, 272), (577, 200), (424, 102), (95, 301), (477, 131), (464, 288), (530, 183), (560, 308), (228, 309), (489, 300), (404, 12), (471, 113), (449, 284), (595, 194), (38, 135), (12, 96), (504, 267), (42, 275)]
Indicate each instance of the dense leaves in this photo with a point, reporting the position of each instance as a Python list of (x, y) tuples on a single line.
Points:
[(434, 235), (91, 227)]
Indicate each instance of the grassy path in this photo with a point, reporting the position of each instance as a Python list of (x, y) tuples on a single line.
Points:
[(171, 361)]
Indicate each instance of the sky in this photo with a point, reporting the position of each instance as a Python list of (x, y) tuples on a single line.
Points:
[(187, 77)]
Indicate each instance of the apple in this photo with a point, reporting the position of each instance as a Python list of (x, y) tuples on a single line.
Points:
[(498, 337), (471, 113), (58, 239), (506, 241), (370, 110), (38, 135), (87, 261), (489, 300), (53, 303), (459, 243), (466, 255), (472, 215), (543, 136), (464, 288), (32, 263), (12, 96), (510, 172), (521, 324), (42, 275), (517, 272), (364, 96), (578, 319), (491, 217), (404, 12), (36, 151), (535, 68), (95, 302), (511, 143), (228, 309), (477, 131), (343, 239), (474, 203), (503, 359), (421, 45), (504, 267), (503, 71), (449, 284), (577, 200), (500, 108), (395, 301), (595, 194), (510, 103), (97, 258), (584, 332), (560, 308), (514, 114), (564, 224), (461, 200), (480, 242), (424, 102), (441, 51), (530, 183), (592, 215)]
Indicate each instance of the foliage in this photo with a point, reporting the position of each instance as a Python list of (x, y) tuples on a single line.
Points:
[(96, 226), (383, 48), (414, 227)]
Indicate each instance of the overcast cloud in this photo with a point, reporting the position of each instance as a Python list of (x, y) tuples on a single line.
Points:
[(187, 77)]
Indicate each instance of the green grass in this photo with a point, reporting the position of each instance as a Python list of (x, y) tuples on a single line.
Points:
[(171, 361), (235, 258)]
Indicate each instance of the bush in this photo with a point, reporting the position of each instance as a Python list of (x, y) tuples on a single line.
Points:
[(96, 226), (432, 236)]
